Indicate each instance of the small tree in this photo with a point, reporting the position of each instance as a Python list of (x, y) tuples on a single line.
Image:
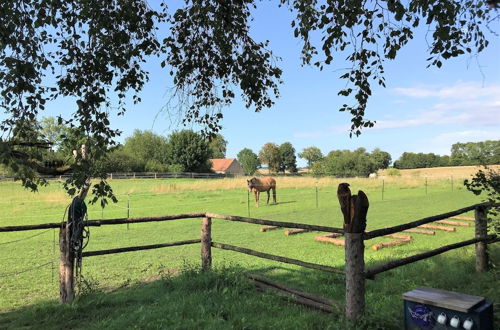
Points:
[(487, 182), (146, 146), (270, 154), (382, 159), (288, 159), (248, 160), (311, 154), (190, 150), (217, 145)]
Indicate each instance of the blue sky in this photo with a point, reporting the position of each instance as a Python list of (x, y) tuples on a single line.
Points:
[(421, 110)]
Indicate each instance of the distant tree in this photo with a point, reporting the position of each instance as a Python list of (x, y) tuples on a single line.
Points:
[(217, 145), (248, 160), (270, 154), (476, 153), (119, 160), (346, 163), (146, 146), (420, 160), (382, 159), (190, 150), (288, 158), (53, 131), (311, 154)]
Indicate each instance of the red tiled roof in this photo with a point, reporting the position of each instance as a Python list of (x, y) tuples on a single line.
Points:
[(221, 164)]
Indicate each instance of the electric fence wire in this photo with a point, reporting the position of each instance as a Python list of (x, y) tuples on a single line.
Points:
[(26, 270), (25, 238)]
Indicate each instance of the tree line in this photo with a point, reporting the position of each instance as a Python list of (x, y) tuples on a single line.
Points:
[(189, 151)]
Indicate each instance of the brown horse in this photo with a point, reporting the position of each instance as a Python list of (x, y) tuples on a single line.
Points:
[(263, 184)]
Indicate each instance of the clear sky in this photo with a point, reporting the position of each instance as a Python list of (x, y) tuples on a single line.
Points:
[(421, 110)]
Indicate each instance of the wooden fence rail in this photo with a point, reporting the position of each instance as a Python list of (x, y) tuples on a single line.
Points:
[(275, 223), (371, 272), (138, 248), (278, 258), (413, 224)]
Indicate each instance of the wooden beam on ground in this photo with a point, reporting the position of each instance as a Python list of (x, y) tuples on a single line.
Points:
[(295, 295), (275, 223), (454, 223), (277, 258), (437, 227), (413, 224), (463, 218), (403, 239), (138, 248), (330, 239), (295, 231), (371, 272), (420, 231), (268, 228), (294, 291), (294, 298)]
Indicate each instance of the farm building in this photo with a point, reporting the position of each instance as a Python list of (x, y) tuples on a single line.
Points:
[(227, 166)]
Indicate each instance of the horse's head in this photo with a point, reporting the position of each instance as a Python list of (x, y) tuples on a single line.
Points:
[(251, 183)]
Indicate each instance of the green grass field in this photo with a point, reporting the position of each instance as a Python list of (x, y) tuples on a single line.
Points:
[(163, 287)]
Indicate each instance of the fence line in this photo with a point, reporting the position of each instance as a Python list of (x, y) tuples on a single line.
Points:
[(371, 272), (354, 234)]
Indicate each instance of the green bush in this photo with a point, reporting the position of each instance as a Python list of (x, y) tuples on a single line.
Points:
[(393, 172)]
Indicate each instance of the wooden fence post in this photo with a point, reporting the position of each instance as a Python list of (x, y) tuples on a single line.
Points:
[(481, 229), (206, 243), (354, 209), (354, 275), (66, 266)]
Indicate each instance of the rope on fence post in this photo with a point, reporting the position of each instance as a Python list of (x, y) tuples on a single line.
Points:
[(206, 243), (481, 231)]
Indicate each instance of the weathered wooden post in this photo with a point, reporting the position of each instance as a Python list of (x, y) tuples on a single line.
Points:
[(354, 209), (66, 266), (481, 229), (206, 243)]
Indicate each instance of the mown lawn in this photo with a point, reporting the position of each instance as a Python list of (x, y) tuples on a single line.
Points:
[(163, 288)]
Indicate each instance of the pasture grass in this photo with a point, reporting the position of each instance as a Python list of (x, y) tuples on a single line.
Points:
[(164, 287)]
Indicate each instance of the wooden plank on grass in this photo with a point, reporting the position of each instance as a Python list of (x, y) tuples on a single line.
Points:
[(454, 223), (329, 238), (295, 231), (268, 228), (463, 218), (420, 231), (444, 228)]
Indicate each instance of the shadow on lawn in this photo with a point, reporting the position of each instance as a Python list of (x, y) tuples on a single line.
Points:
[(224, 299)]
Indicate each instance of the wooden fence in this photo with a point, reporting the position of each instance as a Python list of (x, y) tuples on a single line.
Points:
[(355, 271)]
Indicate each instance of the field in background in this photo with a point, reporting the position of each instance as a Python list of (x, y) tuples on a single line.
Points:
[(457, 172), (29, 260)]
